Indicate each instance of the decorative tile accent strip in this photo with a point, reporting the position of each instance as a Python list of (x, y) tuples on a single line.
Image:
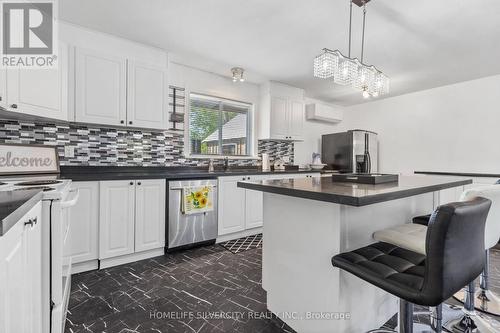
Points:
[(96, 145)]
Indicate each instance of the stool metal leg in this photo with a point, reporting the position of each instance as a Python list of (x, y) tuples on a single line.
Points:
[(465, 324), (405, 317), (485, 300), (437, 318)]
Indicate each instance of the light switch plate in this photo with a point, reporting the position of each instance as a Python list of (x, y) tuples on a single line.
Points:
[(69, 151)]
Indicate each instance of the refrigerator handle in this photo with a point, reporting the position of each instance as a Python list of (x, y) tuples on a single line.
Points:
[(368, 163)]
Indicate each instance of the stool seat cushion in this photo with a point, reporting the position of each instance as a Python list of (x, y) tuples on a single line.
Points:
[(407, 236), (396, 270)]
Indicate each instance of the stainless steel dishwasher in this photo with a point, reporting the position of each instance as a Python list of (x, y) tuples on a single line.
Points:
[(185, 231)]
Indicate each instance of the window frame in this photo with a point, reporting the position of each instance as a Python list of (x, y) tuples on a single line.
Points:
[(250, 152)]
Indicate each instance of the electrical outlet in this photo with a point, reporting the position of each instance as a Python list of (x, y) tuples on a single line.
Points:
[(69, 151)]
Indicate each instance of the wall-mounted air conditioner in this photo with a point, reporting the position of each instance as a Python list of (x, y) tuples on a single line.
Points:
[(324, 113)]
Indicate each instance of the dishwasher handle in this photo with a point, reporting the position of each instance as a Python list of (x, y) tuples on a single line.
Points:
[(180, 188)]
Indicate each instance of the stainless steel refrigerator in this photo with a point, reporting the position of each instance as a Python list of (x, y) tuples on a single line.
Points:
[(354, 151)]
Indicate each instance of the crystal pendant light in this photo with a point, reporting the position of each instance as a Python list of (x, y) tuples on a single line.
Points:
[(351, 71)]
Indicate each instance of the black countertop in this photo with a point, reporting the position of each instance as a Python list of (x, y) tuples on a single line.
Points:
[(95, 173), (14, 205), (462, 174), (324, 189)]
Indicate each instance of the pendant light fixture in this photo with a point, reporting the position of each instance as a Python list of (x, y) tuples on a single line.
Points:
[(351, 71)]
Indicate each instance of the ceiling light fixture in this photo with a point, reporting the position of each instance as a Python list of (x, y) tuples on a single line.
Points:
[(238, 74), (351, 71)]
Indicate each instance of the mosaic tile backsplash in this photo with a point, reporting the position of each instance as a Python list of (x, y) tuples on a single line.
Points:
[(96, 145)]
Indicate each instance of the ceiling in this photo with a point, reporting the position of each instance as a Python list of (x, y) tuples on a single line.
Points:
[(419, 44)]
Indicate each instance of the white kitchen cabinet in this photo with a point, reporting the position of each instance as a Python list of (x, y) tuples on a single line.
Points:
[(116, 218), (111, 89), (231, 205), (242, 209), (37, 92), (100, 88), (20, 272), (296, 121), (281, 115), (150, 214), (147, 96), (279, 118), (83, 237), (254, 205)]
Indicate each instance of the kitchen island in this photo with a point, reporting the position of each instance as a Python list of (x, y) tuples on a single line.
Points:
[(308, 221)]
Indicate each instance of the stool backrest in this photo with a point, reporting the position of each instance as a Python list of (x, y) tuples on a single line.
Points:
[(492, 229), (454, 247)]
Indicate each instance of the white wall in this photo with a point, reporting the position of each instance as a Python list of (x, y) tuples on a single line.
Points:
[(451, 128), (312, 135)]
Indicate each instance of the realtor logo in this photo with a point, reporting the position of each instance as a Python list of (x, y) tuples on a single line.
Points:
[(28, 36)]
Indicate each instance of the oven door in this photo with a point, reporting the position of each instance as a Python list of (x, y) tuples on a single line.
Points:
[(60, 266)]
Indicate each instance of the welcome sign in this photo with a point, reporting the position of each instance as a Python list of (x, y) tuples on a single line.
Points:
[(28, 159)]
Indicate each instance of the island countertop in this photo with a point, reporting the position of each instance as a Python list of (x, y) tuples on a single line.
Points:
[(325, 189)]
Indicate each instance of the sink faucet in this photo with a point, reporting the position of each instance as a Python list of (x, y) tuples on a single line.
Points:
[(211, 165), (226, 163)]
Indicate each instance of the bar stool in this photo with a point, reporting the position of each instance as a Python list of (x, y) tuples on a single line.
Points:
[(410, 236), (431, 279)]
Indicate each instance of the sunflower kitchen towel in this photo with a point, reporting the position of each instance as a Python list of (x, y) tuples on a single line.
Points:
[(197, 200)]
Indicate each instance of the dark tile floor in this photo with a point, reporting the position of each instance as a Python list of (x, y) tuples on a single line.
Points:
[(189, 291)]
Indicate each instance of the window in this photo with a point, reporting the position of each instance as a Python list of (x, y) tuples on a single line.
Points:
[(218, 126)]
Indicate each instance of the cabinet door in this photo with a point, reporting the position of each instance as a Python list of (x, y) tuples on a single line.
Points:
[(100, 88), (13, 278), (147, 96), (279, 118), (150, 214), (231, 205), (40, 92), (116, 218), (34, 283), (296, 120), (254, 210), (83, 236)]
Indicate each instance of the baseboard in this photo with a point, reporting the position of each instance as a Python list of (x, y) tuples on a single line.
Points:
[(84, 266), (128, 258), (239, 234)]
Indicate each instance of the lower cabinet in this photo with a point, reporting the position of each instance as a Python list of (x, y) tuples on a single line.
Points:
[(116, 218), (131, 217), (241, 209), (83, 236), (150, 215), (20, 272)]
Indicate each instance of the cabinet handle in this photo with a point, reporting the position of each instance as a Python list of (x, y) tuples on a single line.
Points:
[(35, 220), (131, 183), (130, 122), (14, 106), (0, 98), (243, 178), (139, 183), (30, 223), (122, 121)]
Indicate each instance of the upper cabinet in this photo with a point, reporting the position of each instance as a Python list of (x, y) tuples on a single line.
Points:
[(37, 92), (101, 83), (114, 90), (281, 115), (147, 95)]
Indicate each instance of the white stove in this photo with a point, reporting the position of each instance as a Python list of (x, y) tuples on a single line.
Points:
[(52, 188), (56, 269)]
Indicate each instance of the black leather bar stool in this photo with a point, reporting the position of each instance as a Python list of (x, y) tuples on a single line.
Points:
[(430, 279)]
